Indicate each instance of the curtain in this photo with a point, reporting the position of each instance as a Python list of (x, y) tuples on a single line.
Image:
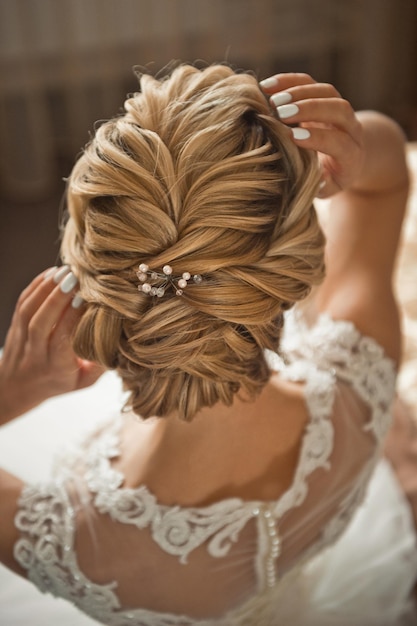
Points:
[(66, 63)]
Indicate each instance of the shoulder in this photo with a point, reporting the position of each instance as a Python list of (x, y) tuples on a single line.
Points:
[(333, 343), (351, 362)]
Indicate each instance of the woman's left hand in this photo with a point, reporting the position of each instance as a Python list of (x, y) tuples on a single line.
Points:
[(38, 360)]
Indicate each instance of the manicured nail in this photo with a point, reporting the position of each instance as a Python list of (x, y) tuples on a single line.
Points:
[(269, 83), (61, 273), (77, 301), (287, 110), (281, 98), (322, 185), (68, 283), (301, 133), (50, 272)]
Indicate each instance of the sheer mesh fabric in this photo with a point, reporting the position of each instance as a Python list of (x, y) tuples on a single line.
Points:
[(125, 558)]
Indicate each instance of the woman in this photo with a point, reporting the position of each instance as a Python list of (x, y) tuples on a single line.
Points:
[(232, 495)]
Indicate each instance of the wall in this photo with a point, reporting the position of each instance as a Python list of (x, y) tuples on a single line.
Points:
[(66, 63)]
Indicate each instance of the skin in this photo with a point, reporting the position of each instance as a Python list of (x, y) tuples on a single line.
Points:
[(365, 178), (38, 356)]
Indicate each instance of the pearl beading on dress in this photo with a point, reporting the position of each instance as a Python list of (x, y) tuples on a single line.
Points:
[(274, 546), (47, 524)]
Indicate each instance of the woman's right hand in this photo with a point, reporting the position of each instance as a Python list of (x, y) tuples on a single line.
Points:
[(322, 121), (38, 360), (363, 156)]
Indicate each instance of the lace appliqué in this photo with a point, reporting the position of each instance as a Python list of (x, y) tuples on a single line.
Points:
[(356, 359), (46, 520), (178, 531), (337, 525), (340, 351), (46, 517), (318, 439)]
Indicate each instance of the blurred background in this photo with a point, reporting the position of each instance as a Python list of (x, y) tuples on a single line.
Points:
[(66, 63)]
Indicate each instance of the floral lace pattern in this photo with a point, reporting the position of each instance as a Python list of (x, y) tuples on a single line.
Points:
[(176, 530), (46, 518), (46, 551), (339, 347)]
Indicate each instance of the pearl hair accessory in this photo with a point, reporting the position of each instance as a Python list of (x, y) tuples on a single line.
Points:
[(150, 281)]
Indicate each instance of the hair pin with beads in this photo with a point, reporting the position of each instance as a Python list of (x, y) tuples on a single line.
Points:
[(156, 283)]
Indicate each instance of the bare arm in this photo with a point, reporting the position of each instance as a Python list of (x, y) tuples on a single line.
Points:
[(38, 362), (365, 175), (363, 233)]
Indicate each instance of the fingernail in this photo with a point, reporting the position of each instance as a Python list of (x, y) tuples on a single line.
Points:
[(269, 83), (301, 133), (68, 283), (50, 272), (322, 185), (77, 301), (287, 110), (61, 273), (281, 98)]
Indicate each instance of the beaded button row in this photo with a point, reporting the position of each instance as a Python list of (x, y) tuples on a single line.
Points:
[(274, 545)]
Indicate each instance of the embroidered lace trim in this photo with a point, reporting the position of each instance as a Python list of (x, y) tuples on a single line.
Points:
[(46, 517), (338, 346)]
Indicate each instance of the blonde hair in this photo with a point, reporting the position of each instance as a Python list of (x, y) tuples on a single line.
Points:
[(199, 174)]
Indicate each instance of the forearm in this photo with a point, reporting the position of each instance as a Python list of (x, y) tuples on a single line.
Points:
[(384, 167), (365, 220), (363, 232), (364, 173)]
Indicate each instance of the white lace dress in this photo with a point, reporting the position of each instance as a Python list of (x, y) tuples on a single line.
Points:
[(337, 548)]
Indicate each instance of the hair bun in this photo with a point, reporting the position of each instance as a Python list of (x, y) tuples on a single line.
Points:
[(198, 175)]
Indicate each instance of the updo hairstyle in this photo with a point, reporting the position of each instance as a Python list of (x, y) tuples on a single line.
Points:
[(199, 174)]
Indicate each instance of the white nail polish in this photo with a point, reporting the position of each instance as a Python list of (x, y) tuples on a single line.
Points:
[(68, 283), (77, 301), (63, 271), (50, 272), (281, 98), (287, 110), (301, 133), (269, 83)]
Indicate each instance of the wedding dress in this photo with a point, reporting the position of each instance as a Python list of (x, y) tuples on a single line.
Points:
[(337, 548)]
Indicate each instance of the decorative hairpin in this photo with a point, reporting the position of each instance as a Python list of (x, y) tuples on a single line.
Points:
[(150, 281)]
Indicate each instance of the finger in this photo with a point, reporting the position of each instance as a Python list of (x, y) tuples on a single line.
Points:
[(331, 112), (332, 142), (33, 296), (305, 92), (49, 313), (29, 301), (61, 335), (61, 353), (33, 287), (340, 157), (36, 282), (279, 82)]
